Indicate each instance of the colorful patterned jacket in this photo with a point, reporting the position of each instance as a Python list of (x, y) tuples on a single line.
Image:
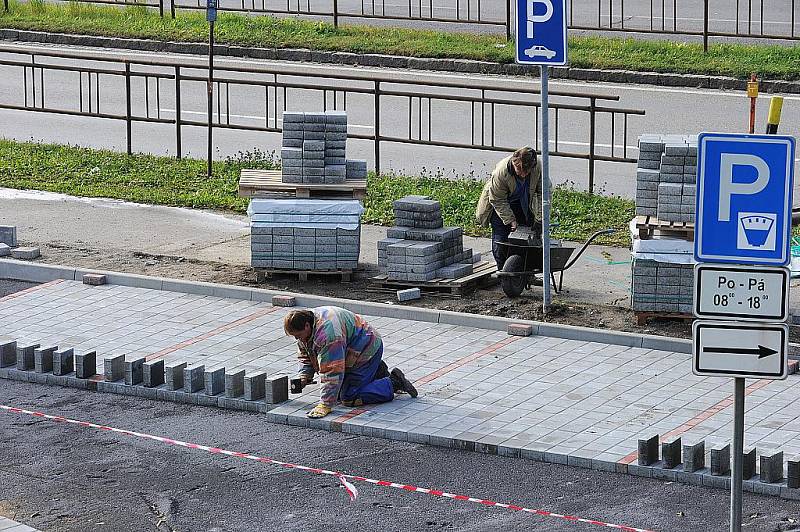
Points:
[(340, 340)]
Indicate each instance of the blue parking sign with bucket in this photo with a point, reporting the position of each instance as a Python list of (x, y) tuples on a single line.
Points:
[(744, 198)]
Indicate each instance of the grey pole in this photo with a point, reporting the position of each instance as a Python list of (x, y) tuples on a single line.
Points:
[(738, 449), (545, 196), (210, 125)]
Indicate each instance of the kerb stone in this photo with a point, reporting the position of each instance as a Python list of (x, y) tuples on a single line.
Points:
[(153, 373), (234, 384), (86, 365)]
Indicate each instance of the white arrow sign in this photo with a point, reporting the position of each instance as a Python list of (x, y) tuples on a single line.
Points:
[(735, 349)]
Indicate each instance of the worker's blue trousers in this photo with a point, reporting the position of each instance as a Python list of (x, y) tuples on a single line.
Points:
[(360, 383)]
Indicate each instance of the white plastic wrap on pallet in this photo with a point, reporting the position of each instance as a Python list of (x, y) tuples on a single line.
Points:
[(345, 214), (662, 249)]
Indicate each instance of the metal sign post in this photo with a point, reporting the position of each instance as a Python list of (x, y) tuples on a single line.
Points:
[(211, 16), (541, 39), (546, 194), (744, 201)]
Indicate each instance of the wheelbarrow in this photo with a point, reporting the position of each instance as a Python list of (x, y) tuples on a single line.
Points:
[(524, 261)]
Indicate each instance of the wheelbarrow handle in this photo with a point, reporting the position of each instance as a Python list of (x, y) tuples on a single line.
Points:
[(586, 245)]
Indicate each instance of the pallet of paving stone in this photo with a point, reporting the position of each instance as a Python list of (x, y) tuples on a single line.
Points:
[(262, 274), (268, 183), (480, 277), (648, 225), (642, 317)]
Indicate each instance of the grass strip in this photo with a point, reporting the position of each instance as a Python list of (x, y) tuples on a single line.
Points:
[(738, 60), (167, 181)]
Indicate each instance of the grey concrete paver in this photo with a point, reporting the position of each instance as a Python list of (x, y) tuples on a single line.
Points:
[(558, 396)]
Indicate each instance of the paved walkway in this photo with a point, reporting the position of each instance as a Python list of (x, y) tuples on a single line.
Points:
[(7, 525), (526, 395), (58, 219)]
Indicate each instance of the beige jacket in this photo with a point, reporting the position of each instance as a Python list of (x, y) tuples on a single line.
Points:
[(500, 186)]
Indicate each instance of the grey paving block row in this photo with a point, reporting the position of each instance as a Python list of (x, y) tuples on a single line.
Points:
[(214, 381), (174, 376), (234, 384), (721, 460), (420, 204), (24, 356), (134, 371), (43, 359), (63, 361), (277, 389), (153, 373), (114, 368), (8, 235)]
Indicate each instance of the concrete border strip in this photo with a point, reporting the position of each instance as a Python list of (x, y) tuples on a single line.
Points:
[(39, 272)]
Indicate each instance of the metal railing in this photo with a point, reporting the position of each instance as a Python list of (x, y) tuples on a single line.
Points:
[(423, 113), (469, 12), (737, 19)]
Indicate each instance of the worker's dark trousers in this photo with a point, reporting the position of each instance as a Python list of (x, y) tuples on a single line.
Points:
[(500, 232), (360, 383)]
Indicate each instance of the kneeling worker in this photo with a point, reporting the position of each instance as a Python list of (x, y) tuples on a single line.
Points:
[(512, 196), (347, 353)]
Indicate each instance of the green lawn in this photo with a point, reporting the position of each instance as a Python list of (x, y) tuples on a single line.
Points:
[(167, 181), (776, 62)]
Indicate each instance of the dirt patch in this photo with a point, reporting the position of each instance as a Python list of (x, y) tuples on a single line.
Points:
[(489, 302)]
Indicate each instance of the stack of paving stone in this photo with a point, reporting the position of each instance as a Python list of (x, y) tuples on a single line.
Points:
[(665, 159), (662, 287), (420, 248), (314, 149), (676, 202), (307, 235)]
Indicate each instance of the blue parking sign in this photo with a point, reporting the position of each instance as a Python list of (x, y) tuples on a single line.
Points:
[(744, 198), (541, 32)]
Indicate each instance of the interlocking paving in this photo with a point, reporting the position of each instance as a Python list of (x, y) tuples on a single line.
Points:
[(528, 394)]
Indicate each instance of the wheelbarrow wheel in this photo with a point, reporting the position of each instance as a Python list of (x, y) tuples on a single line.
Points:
[(513, 285)]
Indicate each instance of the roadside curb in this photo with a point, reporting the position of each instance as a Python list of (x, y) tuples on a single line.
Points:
[(461, 66), (42, 273), (658, 470)]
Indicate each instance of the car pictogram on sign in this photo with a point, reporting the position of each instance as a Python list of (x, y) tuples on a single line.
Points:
[(539, 51)]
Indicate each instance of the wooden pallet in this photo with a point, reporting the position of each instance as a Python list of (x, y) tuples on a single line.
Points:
[(268, 183), (648, 225), (643, 316), (263, 274), (480, 276)]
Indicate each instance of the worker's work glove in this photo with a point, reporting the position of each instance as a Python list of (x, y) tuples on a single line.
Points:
[(321, 410)]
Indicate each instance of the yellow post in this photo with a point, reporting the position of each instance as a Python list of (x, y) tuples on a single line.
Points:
[(774, 117)]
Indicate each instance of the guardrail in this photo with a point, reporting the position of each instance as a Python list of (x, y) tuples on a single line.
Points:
[(423, 113), (739, 19)]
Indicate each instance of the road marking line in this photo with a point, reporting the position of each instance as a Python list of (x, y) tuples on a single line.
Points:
[(699, 418), (29, 290), (341, 476), (211, 333)]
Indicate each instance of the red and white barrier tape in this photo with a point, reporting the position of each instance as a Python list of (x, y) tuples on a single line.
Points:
[(344, 478)]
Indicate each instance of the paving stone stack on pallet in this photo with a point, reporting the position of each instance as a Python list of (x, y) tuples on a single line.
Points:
[(419, 248), (666, 159), (307, 235), (314, 149), (676, 202), (662, 286)]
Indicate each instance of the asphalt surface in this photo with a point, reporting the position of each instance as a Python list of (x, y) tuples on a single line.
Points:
[(10, 287), (60, 477), (669, 110)]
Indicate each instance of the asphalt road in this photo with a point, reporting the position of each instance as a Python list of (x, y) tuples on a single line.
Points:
[(685, 111), (60, 477), (683, 15)]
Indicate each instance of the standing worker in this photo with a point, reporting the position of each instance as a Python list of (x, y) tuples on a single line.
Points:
[(348, 354), (511, 197)]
